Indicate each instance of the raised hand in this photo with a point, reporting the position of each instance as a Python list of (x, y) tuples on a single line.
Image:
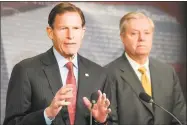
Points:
[(100, 110), (60, 100)]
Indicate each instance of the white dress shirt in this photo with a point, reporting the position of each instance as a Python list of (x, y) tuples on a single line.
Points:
[(136, 66)]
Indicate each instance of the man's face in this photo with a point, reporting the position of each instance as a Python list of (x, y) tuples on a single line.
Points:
[(67, 33), (137, 38)]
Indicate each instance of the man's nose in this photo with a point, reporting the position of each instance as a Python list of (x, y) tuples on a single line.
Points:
[(70, 34), (141, 36)]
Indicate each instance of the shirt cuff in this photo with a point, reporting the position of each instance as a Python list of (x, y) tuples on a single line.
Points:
[(47, 120)]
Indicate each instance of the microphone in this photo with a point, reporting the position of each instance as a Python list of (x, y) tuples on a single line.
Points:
[(145, 97), (93, 98)]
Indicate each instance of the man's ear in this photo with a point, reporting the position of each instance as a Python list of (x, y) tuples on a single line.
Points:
[(121, 36), (49, 31), (83, 32)]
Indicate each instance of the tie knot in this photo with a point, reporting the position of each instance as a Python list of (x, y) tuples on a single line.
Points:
[(142, 70), (69, 65)]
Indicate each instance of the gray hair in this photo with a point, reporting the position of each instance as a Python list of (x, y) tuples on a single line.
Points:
[(133, 15)]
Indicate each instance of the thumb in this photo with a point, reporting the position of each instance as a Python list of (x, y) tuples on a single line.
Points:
[(87, 103)]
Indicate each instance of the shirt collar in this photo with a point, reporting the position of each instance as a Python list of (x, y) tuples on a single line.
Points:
[(63, 61), (135, 65)]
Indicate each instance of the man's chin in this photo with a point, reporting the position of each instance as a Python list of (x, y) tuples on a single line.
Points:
[(70, 54), (143, 52)]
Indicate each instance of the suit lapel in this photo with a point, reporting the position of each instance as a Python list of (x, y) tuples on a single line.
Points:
[(155, 82), (83, 81), (130, 77), (83, 78), (52, 73), (156, 86), (53, 76)]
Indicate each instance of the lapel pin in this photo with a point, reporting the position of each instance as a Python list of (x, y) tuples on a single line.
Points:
[(86, 74)]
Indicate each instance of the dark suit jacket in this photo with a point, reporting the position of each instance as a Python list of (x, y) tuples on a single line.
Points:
[(126, 88), (35, 81)]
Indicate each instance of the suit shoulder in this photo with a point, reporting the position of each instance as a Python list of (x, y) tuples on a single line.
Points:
[(30, 61), (88, 62), (114, 64), (91, 65), (160, 64)]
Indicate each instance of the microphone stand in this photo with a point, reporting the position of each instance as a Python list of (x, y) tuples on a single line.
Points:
[(145, 97), (167, 112), (91, 119)]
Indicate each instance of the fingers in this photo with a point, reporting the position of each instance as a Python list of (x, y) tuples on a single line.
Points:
[(87, 103), (62, 97), (107, 103), (103, 103), (102, 100), (65, 90), (100, 96), (108, 111), (61, 103)]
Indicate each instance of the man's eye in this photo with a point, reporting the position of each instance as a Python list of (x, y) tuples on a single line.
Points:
[(63, 28), (147, 32), (133, 34), (76, 28)]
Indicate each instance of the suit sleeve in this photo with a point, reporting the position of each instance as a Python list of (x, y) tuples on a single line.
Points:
[(179, 107), (18, 100)]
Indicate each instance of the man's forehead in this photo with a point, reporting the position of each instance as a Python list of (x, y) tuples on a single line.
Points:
[(68, 19), (139, 20), (139, 23)]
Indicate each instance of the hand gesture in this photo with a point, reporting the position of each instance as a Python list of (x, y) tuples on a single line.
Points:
[(60, 100), (100, 110)]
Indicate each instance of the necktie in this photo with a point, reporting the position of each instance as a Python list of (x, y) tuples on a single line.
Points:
[(145, 81), (71, 80)]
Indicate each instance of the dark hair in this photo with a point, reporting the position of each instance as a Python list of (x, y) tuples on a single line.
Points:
[(63, 8)]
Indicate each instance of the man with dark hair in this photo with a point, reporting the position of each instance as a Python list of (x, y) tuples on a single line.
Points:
[(50, 88)]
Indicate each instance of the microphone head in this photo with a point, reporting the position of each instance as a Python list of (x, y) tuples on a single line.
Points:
[(145, 97), (94, 97)]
